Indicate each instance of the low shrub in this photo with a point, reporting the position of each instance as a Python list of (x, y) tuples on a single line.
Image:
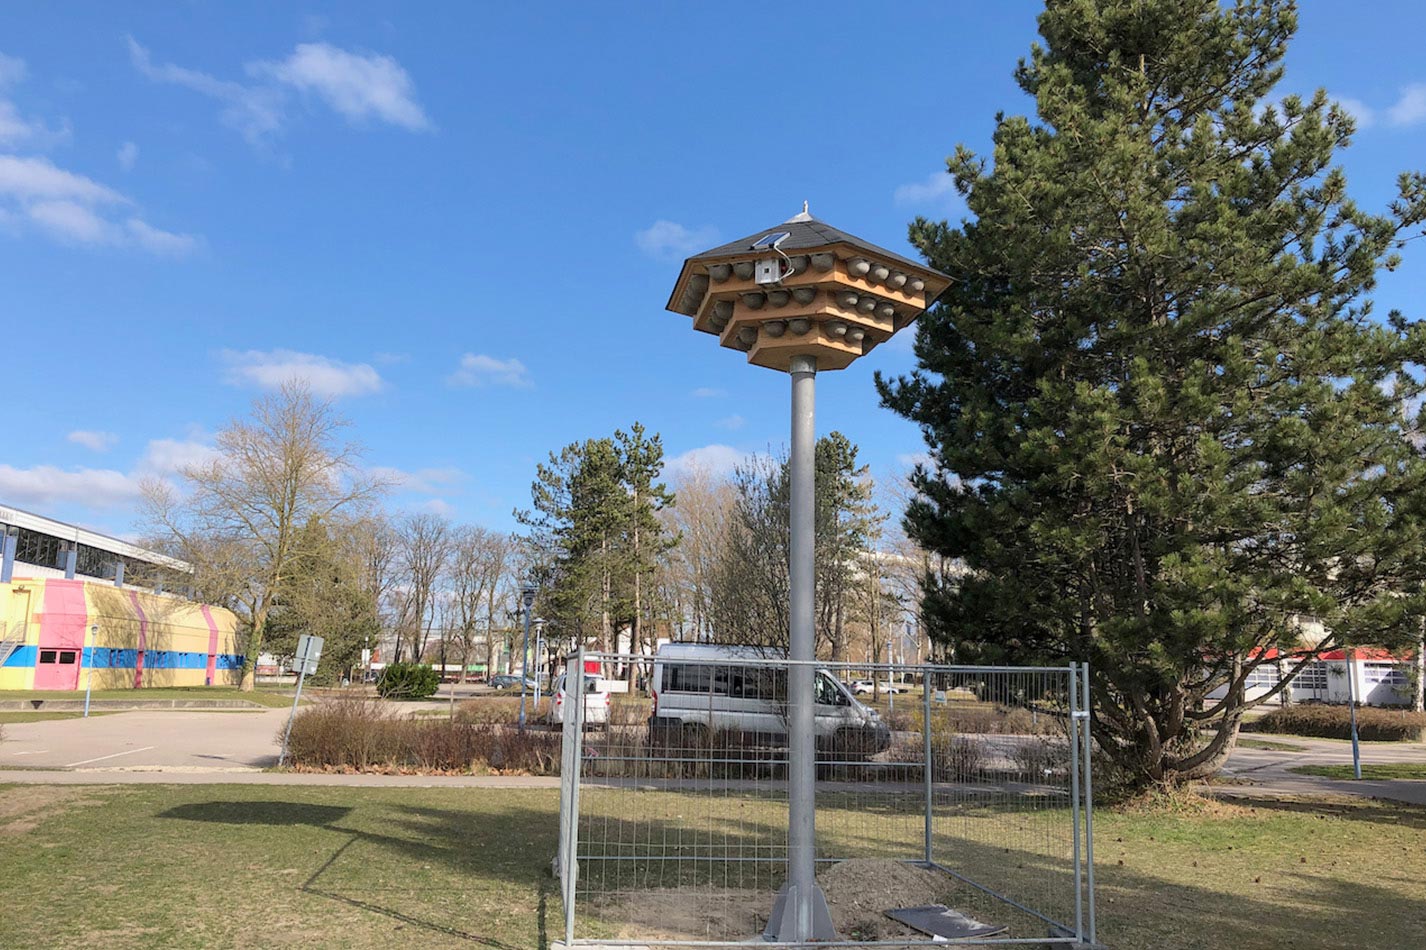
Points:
[(362, 734), (407, 681), (1334, 722), (501, 710), (1041, 757)]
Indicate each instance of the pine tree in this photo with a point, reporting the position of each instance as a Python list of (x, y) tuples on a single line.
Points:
[(640, 462), (750, 584), (1164, 419)]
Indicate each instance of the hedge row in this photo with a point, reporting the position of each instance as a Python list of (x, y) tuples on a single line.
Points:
[(362, 734), (1334, 722)]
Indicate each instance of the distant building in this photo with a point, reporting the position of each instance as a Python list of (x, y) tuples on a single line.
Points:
[(75, 601)]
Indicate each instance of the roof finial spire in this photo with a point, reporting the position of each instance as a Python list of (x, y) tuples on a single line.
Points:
[(804, 216)]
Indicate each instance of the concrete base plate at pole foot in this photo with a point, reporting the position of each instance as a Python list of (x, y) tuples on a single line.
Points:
[(782, 922)]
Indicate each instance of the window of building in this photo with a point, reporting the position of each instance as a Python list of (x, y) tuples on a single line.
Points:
[(68, 656), (48, 656), (1262, 677), (1375, 674), (1312, 677)]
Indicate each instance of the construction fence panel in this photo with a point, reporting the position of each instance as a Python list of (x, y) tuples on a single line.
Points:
[(967, 787)]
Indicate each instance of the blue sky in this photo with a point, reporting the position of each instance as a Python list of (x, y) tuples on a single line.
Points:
[(462, 221)]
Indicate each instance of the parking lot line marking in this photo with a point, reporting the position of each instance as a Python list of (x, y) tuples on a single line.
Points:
[(112, 756), (31, 752)]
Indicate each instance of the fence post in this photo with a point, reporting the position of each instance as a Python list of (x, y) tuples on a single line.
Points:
[(1088, 799), (573, 722), (926, 738), (1075, 778)]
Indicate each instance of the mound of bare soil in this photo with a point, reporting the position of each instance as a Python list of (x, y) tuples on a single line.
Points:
[(861, 891)]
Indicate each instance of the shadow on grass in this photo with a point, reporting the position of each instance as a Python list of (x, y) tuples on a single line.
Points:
[(259, 813), (326, 816), (1371, 811), (510, 839)]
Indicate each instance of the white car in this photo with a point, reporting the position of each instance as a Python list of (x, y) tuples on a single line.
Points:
[(596, 701), (862, 687)]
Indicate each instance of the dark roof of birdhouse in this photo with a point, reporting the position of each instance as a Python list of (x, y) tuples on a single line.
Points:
[(805, 233)]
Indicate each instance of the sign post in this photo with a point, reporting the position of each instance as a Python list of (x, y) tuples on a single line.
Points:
[(309, 651), (89, 681)]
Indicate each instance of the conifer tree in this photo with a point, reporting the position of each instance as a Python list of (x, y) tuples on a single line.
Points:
[(1165, 422)]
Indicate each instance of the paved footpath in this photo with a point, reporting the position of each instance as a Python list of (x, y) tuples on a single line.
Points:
[(1268, 771), (190, 747)]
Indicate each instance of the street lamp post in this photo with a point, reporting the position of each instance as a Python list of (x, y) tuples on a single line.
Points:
[(527, 598), (798, 298), (539, 656)]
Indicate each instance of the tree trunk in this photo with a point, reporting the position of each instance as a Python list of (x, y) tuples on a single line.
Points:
[(1418, 697)]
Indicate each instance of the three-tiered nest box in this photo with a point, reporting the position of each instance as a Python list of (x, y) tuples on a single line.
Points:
[(803, 288)]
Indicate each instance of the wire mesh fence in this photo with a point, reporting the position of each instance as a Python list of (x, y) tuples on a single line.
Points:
[(964, 787)]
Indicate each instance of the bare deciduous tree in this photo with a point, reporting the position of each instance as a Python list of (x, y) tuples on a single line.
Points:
[(237, 517), (424, 543)]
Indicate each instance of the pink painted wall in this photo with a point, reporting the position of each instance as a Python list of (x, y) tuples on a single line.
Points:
[(212, 646), (63, 620), (143, 638)]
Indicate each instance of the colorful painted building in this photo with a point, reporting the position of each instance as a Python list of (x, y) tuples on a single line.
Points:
[(54, 632)]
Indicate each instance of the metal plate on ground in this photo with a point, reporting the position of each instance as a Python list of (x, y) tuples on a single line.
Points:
[(938, 920)]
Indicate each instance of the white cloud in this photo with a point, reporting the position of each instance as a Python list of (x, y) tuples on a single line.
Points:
[(254, 111), (938, 189), (477, 369), (43, 486), (425, 481), (16, 129), (912, 459), (715, 460), (362, 87), (46, 485), (270, 369), (158, 241), (169, 456), (95, 441), (1410, 106), (37, 179), (69, 221), (127, 155), (76, 209), (669, 239), (438, 506), (1364, 114), (708, 392), (732, 422)]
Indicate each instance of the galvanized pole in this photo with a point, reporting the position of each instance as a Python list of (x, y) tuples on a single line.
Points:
[(803, 909), (926, 752), (1352, 705), (528, 598), (286, 736), (1087, 761)]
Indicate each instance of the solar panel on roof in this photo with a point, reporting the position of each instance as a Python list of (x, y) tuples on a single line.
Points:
[(771, 240)]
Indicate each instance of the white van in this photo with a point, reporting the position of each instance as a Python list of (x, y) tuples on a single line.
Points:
[(692, 692)]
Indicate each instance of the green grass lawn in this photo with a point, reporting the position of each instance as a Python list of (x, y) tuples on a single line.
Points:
[(1383, 771), (43, 716), (261, 697), (215, 866), (1272, 745)]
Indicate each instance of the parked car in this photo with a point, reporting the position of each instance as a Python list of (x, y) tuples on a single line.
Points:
[(596, 701), (861, 687), (511, 681), (693, 693)]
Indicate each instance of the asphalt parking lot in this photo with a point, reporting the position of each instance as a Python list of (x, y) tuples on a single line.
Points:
[(170, 739)]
